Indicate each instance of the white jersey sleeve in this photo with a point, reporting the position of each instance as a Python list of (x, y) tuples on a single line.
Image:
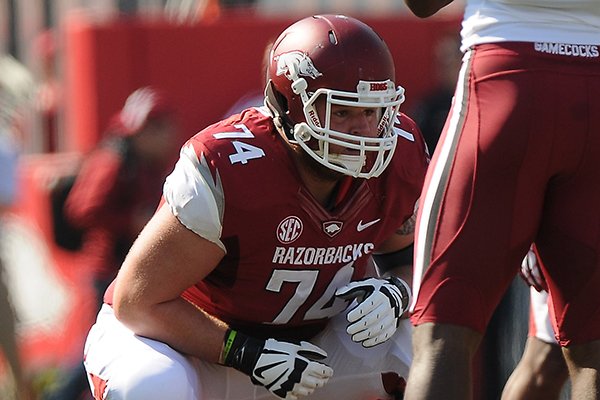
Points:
[(490, 21), (195, 197)]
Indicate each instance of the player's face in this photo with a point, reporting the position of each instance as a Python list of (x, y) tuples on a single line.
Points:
[(358, 121)]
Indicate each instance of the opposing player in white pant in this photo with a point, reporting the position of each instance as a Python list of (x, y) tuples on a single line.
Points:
[(542, 372), (252, 279)]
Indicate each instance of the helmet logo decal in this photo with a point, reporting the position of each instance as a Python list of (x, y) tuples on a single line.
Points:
[(295, 64)]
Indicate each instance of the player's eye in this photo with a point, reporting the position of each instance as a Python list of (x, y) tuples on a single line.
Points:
[(369, 112), (340, 113)]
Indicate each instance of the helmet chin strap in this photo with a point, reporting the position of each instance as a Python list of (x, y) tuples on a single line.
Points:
[(348, 162)]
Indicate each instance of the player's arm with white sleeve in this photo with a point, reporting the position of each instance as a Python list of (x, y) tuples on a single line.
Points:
[(179, 247), (382, 301)]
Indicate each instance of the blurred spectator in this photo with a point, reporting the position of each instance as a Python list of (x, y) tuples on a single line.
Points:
[(15, 85), (115, 193), (237, 3), (49, 94), (431, 111), (8, 336)]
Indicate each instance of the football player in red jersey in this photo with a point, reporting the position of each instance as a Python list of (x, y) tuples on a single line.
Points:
[(251, 280)]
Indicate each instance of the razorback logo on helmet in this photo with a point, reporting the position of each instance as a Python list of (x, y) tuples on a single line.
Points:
[(296, 61)]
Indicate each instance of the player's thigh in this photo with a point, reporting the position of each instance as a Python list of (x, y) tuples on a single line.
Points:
[(569, 244), (569, 236), (483, 198), (122, 365), (359, 372)]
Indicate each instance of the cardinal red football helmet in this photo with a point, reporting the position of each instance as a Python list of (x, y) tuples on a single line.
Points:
[(345, 62)]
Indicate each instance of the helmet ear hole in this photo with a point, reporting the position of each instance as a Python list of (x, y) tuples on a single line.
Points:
[(276, 99), (277, 103)]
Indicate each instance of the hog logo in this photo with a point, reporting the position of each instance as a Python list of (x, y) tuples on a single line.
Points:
[(332, 228), (296, 61)]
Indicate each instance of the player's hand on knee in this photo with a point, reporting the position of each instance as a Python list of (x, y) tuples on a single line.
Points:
[(381, 303), (289, 370), (531, 272)]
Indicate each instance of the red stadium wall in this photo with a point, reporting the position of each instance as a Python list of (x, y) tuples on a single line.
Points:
[(204, 67)]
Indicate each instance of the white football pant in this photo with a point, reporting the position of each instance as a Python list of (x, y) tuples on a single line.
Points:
[(124, 366)]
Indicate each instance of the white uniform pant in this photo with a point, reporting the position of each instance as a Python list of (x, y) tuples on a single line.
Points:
[(540, 324), (122, 365)]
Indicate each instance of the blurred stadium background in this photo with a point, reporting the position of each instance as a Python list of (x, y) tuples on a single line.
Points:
[(81, 58)]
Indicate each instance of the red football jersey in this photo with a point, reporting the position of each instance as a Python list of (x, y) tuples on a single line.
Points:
[(285, 253)]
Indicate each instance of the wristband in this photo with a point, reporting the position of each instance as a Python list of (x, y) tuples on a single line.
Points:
[(240, 351), (227, 343), (404, 291)]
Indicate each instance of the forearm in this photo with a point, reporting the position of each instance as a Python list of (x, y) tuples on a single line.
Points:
[(284, 368), (398, 263), (178, 324), (426, 8)]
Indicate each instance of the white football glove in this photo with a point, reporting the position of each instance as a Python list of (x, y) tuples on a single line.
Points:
[(290, 370), (531, 272), (381, 303)]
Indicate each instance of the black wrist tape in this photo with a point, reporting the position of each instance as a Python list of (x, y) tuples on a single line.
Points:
[(241, 351)]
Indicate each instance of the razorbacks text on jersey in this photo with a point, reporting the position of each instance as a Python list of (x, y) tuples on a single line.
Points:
[(236, 185)]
